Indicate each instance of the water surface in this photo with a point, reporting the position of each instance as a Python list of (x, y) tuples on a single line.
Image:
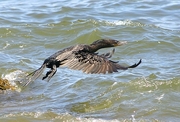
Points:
[(30, 31)]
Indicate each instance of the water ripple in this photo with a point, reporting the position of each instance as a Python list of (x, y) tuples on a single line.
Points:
[(30, 31)]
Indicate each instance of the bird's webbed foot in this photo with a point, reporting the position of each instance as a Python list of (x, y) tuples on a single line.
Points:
[(109, 54), (50, 73)]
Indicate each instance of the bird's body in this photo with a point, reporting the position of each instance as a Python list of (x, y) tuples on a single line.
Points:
[(81, 57)]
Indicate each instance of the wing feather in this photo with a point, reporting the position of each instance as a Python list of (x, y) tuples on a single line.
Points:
[(88, 68), (93, 63), (109, 68)]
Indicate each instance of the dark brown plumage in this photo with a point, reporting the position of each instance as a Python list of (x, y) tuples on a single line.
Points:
[(81, 57)]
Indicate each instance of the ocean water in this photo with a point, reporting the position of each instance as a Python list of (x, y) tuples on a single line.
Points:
[(31, 31)]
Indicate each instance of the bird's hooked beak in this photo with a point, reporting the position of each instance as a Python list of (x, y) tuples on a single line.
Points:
[(121, 43)]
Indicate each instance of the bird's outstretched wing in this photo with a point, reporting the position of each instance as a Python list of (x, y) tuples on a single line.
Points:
[(94, 63)]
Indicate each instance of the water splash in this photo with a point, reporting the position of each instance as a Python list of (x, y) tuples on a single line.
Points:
[(13, 77)]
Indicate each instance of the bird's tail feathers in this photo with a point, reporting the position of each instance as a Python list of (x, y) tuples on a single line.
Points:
[(33, 76)]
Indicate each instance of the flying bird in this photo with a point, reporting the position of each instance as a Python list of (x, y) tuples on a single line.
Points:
[(82, 57)]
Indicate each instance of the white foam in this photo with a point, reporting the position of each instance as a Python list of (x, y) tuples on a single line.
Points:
[(125, 22), (13, 77)]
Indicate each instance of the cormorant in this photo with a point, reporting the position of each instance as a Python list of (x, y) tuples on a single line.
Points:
[(82, 57)]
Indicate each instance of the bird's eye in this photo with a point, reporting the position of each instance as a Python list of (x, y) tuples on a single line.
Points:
[(116, 41)]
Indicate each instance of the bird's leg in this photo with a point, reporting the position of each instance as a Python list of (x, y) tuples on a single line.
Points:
[(109, 55), (50, 73)]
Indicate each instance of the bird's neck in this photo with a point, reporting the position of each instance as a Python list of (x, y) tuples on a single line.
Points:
[(94, 48)]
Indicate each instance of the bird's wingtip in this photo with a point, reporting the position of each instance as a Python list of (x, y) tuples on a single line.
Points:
[(136, 64)]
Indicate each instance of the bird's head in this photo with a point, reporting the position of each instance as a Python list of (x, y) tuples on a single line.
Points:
[(108, 43)]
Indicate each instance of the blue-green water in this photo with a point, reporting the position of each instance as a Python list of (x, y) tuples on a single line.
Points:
[(30, 31)]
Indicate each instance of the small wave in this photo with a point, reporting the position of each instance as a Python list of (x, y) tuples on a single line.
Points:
[(125, 22), (51, 116), (110, 23), (153, 83)]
